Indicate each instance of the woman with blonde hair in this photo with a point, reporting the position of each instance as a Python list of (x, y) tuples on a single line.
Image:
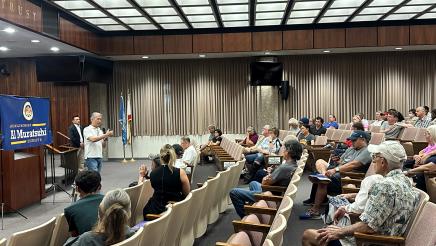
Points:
[(169, 183), (113, 220)]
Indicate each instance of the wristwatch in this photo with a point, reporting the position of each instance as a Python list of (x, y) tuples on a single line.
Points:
[(337, 169)]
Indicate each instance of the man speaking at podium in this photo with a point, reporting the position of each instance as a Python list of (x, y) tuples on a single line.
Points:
[(94, 141)]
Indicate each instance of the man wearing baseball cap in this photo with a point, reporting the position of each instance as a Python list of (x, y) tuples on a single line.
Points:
[(391, 201), (328, 181)]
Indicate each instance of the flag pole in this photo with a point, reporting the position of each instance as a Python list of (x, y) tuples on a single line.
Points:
[(131, 125), (123, 127), (124, 154)]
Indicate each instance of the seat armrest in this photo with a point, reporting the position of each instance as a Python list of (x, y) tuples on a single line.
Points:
[(274, 188), (259, 197), (353, 175), (259, 210), (380, 239), (246, 226), (152, 216)]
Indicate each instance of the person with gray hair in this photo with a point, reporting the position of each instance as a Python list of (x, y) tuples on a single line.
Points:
[(294, 126), (280, 176), (251, 138), (391, 201), (422, 121), (94, 142)]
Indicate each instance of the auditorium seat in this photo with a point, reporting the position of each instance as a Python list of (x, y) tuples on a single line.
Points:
[(345, 134), (430, 182), (420, 142), (133, 240), (146, 193), (268, 242), (408, 134), (60, 232), (202, 223), (134, 193), (216, 198), (39, 235), (329, 133), (194, 166), (225, 186), (374, 129), (377, 138), (3, 242), (337, 135), (154, 229), (320, 141)]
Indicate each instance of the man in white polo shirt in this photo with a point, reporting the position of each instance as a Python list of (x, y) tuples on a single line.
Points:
[(189, 153), (94, 142)]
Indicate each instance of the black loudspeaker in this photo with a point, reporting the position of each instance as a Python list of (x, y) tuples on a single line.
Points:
[(284, 90), (4, 70)]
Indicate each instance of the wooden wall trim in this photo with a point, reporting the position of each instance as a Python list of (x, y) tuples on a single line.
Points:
[(423, 35), (237, 42), (298, 39), (177, 44), (393, 35), (267, 41), (329, 38), (78, 36), (361, 37)]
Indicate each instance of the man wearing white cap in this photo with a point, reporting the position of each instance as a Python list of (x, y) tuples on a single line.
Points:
[(391, 201)]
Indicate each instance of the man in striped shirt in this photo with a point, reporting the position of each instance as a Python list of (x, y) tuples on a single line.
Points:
[(422, 121)]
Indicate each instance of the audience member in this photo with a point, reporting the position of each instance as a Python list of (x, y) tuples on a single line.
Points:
[(379, 119), (304, 121), (251, 138), (356, 118), (422, 121), (391, 201), (75, 133), (318, 129), (205, 152), (433, 117), (279, 176), (356, 159), (305, 137), (82, 215), (254, 149), (189, 152), (217, 138), (358, 126), (427, 113), (412, 117), (331, 123), (294, 127), (391, 128), (169, 183), (113, 221), (155, 163), (364, 121), (178, 149)]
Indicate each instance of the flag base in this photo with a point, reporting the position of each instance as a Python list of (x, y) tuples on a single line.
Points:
[(132, 160), (124, 161)]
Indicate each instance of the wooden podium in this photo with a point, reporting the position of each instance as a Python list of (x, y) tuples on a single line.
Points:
[(21, 177)]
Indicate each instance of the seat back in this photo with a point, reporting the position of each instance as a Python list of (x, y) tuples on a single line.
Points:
[(374, 129), (285, 207), (240, 238), (267, 242), (145, 195), (345, 134), (423, 198), (337, 135), (291, 191), (180, 210), (320, 140), (133, 240), (342, 126), (295, 179), (195, 163), (377, 138), (329, 133), (422, 233), (277, 228), (206, 206), (60, 232), (134, 193), (430, 183), (409, 134), (3, 242), (154, 231), (40, 235), (420, 135)]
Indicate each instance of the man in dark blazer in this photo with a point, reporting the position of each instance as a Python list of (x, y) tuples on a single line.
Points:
[(75, 133)]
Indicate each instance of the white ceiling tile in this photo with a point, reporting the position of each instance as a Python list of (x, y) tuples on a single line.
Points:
[(231, 1), (233, 8), (201, 18), (134, 20), (347, 3), (385, 2), (88, 13), (161, 11), (268, 22), (366, 18), (333, 19), (113, 28), (143, 27), (376, 10), (304, 13), (270, 7), (124, 12), (174, 26), (399, 16), (153, 3), (235, 23), (192, 2), (309, 5), (421, 2), (300, 21), (74, 4), (204, 25), (232, 17), (336, 12), (269, 15), (412, 9), (101, 21), (428, 16), (167, 19), (197, 10), (113, 3)]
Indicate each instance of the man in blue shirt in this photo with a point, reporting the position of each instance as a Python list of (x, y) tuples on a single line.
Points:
[(331, 122)]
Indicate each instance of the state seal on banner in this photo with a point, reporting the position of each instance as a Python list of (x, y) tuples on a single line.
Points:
[(27, 111)]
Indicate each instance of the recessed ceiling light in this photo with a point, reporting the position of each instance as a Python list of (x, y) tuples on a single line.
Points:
[(54, 49), (326, 51), (9, 30), (267, 53), (3, 48), (398, 48), (202, 55), (35, 41), (145, 57)]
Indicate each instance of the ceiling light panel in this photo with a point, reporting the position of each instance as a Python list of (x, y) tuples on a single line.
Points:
[(309, 5), (74, 4), (204, 25), (167, 19), (333, 19), (385, 2), (174, 26), (134, 20), (113, 3), (88, 13), (200, 18), (269, 15), (143, 27), (421, 2), (233, 17), (304, 13), (300, 21), (153, 3), (161, 11), (233, 8), (124, 12), (113, 28), (412, 9), (399, 16), (347, 3), (192, 2), (377, 10), (101, 21), (231, 1), (270, 7), (268, 22), (428, 16), (197, 10), (336, 12), (235, 23), (366, 17)]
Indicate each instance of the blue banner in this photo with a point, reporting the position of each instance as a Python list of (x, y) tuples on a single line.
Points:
[(24, 122), (123, 122)]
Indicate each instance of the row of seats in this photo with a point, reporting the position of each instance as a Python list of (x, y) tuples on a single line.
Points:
[(227, 153)]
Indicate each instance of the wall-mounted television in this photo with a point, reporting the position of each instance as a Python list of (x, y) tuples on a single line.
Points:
[(266, 73)]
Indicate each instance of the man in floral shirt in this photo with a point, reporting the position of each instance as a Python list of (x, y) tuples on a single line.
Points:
[(391, 201)]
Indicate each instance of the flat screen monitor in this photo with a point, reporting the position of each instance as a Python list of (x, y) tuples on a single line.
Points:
[(266, 73)]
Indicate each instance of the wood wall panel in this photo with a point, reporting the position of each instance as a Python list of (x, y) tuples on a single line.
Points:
[(178, 44), (148, 44), (119, 45), (393, 35), (66, 99), (329, 38), (263, 41), (77, 36), (233, 42), (22, 13), (207, 43), (420, 35), (298, 39), (361, 37)]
